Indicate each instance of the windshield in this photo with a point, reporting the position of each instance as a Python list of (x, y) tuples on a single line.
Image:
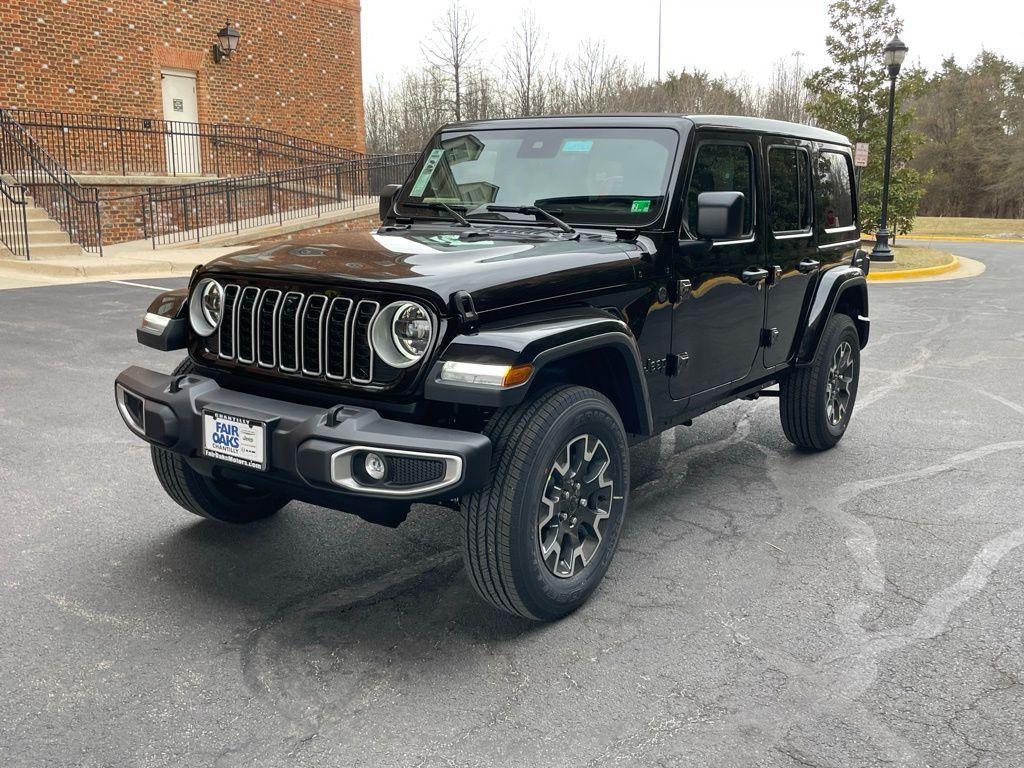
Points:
[(603, 176)]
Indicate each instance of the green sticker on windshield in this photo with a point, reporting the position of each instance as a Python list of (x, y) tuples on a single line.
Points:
[(433, 160), (640, 206)]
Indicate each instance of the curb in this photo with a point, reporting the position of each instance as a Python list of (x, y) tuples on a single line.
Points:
[(962, 239), (903, 274), (100, 269), (952, 238)]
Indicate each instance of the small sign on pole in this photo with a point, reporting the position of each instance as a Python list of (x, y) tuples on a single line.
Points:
[(860, 155)]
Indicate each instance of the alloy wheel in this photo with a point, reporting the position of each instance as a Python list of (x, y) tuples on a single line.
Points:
[(577, 502), (837, 389)]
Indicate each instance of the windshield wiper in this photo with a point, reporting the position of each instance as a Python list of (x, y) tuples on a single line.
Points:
[(533, 210), (443, 208)]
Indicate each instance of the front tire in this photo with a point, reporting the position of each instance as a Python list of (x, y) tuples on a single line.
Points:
[(539, 539), (816, 401), (207, 497)]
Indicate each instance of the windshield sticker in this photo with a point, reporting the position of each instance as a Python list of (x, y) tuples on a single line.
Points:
[(433, 160), (577, 145), (641, 206)]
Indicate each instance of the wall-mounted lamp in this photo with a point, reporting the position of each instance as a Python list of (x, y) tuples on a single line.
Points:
[(227, 42)]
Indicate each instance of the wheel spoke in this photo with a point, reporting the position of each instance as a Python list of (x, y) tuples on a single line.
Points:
[(575, 506)]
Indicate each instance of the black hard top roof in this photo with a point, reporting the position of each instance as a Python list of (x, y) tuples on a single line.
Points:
[(722, 122)]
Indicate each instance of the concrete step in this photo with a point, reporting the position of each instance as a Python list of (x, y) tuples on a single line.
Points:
[(60, 237), (35, 214), (42, 225), (53, 251)]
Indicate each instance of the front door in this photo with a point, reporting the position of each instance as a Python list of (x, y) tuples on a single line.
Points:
[(792, 249), (716, 327), (181, 113)]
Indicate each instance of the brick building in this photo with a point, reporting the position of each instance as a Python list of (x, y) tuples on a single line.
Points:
[(296, 68)]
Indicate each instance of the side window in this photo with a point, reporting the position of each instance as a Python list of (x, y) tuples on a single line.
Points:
[(789, 189), (834, 191), (722, 168)]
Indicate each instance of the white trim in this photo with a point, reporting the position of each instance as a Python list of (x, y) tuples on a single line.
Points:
[(320, 342), (837, 230), (843, 244), (344, 339), (191, 74), (298, 319), (341, 471), (369, 341), (155, 324), (273, 328), (252, 320), (744, 241), (138, 429), (795, 236), (232, 320)]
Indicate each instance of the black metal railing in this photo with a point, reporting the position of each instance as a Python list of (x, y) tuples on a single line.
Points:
[(194, 211), (13, 222), (27, 164), (112, 144)]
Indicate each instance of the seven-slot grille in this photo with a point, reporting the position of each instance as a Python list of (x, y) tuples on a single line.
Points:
[(311, 335)]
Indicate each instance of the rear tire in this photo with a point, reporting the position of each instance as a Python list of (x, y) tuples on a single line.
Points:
[(204, 496), (539, 539), (816, 401)]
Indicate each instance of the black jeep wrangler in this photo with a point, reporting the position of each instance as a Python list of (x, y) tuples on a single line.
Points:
[(541, 294)]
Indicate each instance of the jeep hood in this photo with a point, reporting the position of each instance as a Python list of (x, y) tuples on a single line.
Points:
[(498, 270)]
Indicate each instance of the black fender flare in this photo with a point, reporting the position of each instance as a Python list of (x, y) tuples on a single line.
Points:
[(540, 340), (165, 324), (846, 284)]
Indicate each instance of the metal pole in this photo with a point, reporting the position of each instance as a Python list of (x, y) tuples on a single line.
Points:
[(882, 251), (659, 41)]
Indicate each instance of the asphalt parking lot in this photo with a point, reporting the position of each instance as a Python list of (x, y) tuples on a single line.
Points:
[(766, 607)]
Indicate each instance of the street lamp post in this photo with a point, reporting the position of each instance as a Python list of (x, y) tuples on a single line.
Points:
[(893, 55)]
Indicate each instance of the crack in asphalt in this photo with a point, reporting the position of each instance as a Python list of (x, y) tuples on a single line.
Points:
[(831, 686)]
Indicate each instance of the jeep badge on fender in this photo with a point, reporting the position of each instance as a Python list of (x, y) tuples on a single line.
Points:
[(542, 293)]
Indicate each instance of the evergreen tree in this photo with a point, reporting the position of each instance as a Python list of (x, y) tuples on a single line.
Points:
[(851, 96)]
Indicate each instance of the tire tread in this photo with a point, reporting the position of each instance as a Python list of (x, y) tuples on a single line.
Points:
[(487, 513)]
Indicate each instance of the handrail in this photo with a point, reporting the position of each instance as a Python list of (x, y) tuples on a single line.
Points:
[(100, 143), (189, 212), (74, 207), (13, 222)]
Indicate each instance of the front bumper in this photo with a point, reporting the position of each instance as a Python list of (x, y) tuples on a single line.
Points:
[(309, 451)]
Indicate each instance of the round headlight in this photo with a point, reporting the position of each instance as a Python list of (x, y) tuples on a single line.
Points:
[(411, 330), (211, 300), (206, 306), (401, 333)]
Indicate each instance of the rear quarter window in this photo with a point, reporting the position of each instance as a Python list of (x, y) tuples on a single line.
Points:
[(833, 191)]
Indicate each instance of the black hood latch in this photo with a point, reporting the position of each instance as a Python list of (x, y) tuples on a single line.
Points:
[(462, 305)]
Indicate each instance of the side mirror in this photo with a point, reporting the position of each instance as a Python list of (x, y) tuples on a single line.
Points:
[(387, 199), (720, 215)]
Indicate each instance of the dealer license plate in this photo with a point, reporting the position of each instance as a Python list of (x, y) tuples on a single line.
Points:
[(234, 439)]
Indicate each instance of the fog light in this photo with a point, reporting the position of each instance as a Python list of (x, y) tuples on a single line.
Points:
[(375, 466)]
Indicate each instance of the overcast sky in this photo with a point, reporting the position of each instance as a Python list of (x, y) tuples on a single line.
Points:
[(730, 37)]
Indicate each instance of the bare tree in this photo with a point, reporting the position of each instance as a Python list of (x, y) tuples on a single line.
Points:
[(452, 48), (785, 96), (523, 66)]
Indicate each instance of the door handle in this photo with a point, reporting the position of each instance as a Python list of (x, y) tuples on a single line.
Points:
[(754, 276), (808, 265)]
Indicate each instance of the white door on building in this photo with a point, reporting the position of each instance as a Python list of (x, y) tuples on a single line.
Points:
[(181, 111)]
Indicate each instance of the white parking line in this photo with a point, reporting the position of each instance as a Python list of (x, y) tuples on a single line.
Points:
[(140, 285)]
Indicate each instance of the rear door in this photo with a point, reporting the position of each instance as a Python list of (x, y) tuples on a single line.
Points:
[(718, 319), (835, 201), (792, 249)]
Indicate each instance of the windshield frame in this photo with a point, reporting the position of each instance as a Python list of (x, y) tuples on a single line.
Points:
[(478, 213)]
